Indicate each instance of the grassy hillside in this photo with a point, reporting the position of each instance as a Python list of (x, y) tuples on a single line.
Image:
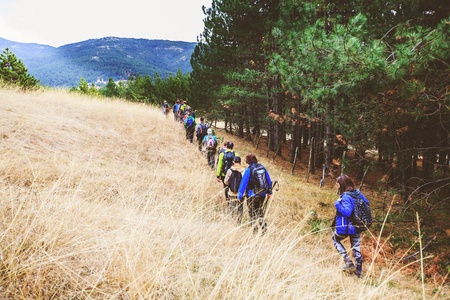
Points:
[(106, 200)]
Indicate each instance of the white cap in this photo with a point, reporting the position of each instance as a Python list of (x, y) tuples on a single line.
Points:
[(209, 131)]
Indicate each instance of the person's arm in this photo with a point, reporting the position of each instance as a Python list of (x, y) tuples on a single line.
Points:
[(270, 182), (344, 205), (219, 165), (227, 177), (244, 183)]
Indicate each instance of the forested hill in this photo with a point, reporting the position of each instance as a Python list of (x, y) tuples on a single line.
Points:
[(99, 59)]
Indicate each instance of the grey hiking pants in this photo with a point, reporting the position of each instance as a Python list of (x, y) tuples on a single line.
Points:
[(355, 241)]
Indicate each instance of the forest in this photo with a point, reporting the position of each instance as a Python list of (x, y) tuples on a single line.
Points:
[(338, 76), (328, 78)]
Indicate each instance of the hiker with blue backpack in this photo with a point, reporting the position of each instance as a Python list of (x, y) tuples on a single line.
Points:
[(201, 132), (352, 217), (210, 144), (256, 183), (226, 160), (176, 106), (232, 180), (189, 124)]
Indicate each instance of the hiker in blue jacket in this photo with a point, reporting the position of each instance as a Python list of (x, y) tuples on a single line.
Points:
[(256, 183), (176, 106), (344, 228)]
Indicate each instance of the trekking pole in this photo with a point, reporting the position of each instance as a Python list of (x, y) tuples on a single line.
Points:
[(274, 187)]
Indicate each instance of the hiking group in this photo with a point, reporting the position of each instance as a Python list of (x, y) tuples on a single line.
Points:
[(254, 185)]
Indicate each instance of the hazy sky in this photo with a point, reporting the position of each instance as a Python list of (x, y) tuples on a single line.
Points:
[(60, 22)]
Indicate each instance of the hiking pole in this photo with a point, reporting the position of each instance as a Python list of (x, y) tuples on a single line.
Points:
[(268, 203)]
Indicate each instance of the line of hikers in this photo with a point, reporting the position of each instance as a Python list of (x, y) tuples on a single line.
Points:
[(255, 185), (252, 184)]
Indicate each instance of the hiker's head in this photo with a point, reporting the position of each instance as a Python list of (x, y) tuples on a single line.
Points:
[(202, 119), (178, 100), (251, 159), (165, 101), (184, 102), (230, 145), (237, 160), (189, 113), (209, 131), (345, 184)]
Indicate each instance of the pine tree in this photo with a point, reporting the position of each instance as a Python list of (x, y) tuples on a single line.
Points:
[(13, 71)]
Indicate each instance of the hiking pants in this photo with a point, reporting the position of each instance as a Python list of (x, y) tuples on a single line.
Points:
[(190, 134), (200, 143), (211, 158), (355, 240), (256, 212), (226, 188), (236, 208)]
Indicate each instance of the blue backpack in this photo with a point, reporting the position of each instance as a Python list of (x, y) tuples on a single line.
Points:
[(189, 122)]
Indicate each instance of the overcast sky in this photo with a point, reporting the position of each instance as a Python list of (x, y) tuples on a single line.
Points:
[(60, 22)]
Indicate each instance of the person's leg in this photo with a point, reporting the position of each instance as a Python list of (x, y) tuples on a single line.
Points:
[(337, 238), (355, 240), (227, 196), (252, 213), (260, 212), (233, 206), (240, 210), (213, 159), (191, 134)]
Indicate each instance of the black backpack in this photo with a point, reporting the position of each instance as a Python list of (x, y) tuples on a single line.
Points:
[(361, 217), (235, 181), (260, 184), (228, 160)]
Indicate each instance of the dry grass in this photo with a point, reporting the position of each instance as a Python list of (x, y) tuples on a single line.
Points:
[(106, 200)]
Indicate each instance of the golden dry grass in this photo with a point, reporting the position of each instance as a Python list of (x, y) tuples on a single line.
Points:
[(106, 199)]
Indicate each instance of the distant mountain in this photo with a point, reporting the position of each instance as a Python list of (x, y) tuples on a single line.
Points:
[(99, 59)]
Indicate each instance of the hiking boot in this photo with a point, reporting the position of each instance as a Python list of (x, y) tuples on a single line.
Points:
[(349, 267)]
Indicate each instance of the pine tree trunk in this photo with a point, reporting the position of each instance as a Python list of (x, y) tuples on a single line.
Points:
[(294, 137), (319, 145), (312, 146), (360, 155)]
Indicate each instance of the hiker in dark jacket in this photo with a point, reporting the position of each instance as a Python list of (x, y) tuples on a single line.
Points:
[(201, 131), (236, 206), (344, 228), (256, 194)]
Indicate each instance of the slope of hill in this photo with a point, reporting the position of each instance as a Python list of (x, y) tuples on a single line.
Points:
[(99, 59), (101, 205)]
